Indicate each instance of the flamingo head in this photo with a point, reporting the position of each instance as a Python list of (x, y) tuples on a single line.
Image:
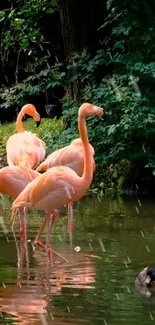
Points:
[(30, 110), (88, 109)]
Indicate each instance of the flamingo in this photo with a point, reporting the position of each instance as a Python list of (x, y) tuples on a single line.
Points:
[(25, 148), (73, 157), (13, 179), (59, 185)]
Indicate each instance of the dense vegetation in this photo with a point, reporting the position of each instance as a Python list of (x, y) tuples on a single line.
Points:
[(96, 51)]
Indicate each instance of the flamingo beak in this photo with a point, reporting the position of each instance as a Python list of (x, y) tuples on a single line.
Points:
[(38, 123), (100, 111)]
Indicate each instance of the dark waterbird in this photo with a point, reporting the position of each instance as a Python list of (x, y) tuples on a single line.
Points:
[(145, 281)]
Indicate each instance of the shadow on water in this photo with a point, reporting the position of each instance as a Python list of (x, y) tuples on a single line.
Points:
[(96, 286)]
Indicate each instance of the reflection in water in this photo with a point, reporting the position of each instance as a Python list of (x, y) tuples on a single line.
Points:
[(97, 285), (27, 298)]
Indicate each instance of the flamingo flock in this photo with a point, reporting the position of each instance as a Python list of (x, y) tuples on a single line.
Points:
[(67, 173)]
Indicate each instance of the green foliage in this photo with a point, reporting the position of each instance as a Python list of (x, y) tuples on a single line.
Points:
[(33, 85), (23, 32), (24, 50), (110, 179), (127, 94)]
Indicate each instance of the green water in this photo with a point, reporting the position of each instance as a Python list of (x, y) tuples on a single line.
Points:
[(97, 284)]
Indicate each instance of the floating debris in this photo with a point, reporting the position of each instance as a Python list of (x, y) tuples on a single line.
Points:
[(68, 309), (151, 316), (136, 186), (105, 322), (77, 249), (102, 245)]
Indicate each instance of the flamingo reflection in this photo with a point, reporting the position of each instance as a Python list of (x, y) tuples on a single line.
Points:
[(29, 298)]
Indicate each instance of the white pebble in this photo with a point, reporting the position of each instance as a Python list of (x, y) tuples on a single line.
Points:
[(77, 249)]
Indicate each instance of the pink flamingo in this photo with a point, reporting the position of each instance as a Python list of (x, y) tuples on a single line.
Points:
[(25, 148), (13, 179), (71, 156), (59, 185)]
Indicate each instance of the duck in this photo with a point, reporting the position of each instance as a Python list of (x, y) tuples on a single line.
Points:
[(146, 278)]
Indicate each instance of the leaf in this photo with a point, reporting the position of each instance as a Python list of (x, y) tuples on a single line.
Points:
[(111, 129)]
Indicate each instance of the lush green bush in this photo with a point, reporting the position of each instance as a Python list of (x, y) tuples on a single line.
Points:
[(127, 93)]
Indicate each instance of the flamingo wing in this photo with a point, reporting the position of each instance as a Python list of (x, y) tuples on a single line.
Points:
[(13, 179), (52, 160), (71, 156), (49, 191), (25, 149)]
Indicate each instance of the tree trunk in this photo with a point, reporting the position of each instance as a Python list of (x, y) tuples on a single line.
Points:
[(80, 20), (70, 46)]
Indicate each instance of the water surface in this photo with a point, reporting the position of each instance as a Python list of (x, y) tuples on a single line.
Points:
[(96, 285)]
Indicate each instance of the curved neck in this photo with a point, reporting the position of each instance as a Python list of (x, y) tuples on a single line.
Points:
[(87, 172), (19, 124)]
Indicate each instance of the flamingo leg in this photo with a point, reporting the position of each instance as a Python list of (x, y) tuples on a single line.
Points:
[(37, 241), (50, 222), (70, 216), (25, 244), (22, 222)]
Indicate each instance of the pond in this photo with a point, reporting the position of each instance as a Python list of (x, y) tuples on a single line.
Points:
[(96, 286)]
